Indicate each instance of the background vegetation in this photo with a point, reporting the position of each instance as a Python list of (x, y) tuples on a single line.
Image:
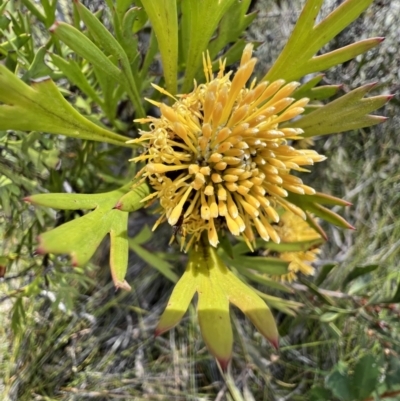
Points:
[(65, 334)]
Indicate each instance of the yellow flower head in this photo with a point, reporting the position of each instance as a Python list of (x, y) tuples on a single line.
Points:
[(292, 228), (219, 157)]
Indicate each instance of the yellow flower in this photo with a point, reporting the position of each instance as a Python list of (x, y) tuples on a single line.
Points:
[(292, 228), (220, 158)]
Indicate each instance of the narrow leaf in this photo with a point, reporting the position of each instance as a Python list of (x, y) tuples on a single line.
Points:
[(359, 271), (163, 15), (119, 251), (179, 301), (199, 21)]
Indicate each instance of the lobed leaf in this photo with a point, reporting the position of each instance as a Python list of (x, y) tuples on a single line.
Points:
[(41, 107), (347, 113), (81, 237), (307, 39)]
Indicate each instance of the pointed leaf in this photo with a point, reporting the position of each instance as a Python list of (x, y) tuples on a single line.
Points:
[(80, 237), (247, 301), (339, 382), (164, 20), (323, 273), (296, 59), (233, 23), (309, 204), (119, 251), (155, 261), (78, 201), (347, 113), (75, 75), (359, 271), (366, 376), (179, 301), (41, 107), (214, 319), (112, 47), (272, 266), (199, 21)]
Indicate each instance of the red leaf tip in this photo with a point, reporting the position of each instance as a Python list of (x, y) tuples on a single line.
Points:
[(40, 251), (27, 199), (224, 363), (54, 26), (274, 342)]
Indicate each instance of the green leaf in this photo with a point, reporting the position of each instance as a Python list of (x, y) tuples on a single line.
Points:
[(366, 376), (213, 314), (271, 266), (284, 305), (154, 261), (81, 237), (315, 290), (229, 32), (261, 279), (323, 273), (319, 393), (129, 201), (296, 59), (392, 371), (247, 300), (74, 74), (15, 43), (313, 204), (111, 46), (300, 246), (359, 271), (41, 107), (179, 301), (339, 382), (347, 113), (329, 317), (119, 250), (144, 235), (163, 15), (310, 90), (199, 21)]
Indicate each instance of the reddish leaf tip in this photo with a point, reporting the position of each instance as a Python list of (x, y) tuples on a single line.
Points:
[(380, 39), (123, 285), (27, 199), (40, 251), (224, 363), (54, 27), (118, 206), (274, 342), (389, 97)]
